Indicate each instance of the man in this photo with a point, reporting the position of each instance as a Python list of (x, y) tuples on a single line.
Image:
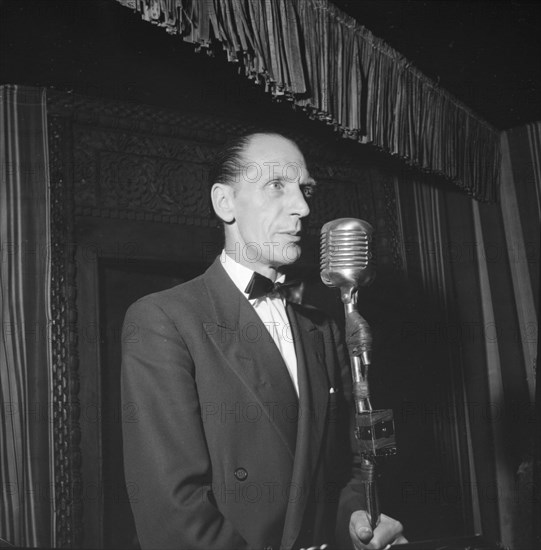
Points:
[(243, 438)]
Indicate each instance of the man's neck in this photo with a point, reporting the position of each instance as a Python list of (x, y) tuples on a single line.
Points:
[(268, 271)]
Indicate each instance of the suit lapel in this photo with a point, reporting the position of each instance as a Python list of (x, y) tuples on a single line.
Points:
[(254, 358), (251, 353), (313, 386)]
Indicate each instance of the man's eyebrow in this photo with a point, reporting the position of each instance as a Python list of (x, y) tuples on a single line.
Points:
[(310, 182)]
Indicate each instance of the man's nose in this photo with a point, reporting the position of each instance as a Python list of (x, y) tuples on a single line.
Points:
[(299, 205)]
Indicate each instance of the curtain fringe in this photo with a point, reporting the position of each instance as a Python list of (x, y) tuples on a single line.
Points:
[(323, 61)]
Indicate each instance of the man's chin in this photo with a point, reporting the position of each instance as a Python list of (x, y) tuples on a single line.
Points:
[(291, 253)]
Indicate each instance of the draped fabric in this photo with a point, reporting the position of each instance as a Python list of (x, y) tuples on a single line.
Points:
[(323, 61), (26, 491), (432, 246), (521, 210), (479, 264)]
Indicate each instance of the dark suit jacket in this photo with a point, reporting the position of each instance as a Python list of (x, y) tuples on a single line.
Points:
[(219, 452)]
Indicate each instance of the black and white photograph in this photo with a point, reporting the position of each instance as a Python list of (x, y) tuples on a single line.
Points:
[(269, 274)]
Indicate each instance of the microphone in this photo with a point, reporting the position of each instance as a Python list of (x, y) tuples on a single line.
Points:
[(347, 262)]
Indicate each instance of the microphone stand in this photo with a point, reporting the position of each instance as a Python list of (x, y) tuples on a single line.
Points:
[(374, 430)]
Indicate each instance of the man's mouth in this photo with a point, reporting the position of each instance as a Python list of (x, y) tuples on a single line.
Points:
[(295, 235)]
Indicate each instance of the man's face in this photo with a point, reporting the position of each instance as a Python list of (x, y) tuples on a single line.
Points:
[(268, 204)]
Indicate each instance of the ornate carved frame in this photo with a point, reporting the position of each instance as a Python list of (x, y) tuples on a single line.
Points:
[(66, 411), (67, 113)]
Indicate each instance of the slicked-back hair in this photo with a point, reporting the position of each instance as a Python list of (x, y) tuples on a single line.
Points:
[(227, 164)]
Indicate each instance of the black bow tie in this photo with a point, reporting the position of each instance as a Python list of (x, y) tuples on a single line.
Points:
[(260, 286)]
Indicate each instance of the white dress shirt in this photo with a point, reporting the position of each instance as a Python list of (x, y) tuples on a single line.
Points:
[(272, 312)]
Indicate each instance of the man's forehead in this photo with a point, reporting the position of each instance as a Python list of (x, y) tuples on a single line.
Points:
[(272, 147), (274, 154)]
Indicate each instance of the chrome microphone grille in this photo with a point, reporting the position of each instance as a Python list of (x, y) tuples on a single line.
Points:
[(346, 256)]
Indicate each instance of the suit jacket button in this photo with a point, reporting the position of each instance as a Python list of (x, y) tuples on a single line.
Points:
[(241, 474)]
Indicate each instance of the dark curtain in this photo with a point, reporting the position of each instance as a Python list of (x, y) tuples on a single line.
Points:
[(478, 265), (25, 467), (328, 64)]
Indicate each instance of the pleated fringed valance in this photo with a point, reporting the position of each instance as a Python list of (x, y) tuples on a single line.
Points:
[(322, 60)]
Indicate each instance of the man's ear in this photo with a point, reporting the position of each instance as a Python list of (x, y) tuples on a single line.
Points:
[(222, 196)]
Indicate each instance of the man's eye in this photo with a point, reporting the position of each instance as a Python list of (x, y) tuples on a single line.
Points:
[(276, 184), (308, 191)]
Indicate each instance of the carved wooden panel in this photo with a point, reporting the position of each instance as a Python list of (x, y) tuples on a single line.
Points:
[(166, 179), (145, 162), (341, 193), (118, 172)]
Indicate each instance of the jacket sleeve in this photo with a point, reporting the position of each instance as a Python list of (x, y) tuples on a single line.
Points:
[(166, 461)]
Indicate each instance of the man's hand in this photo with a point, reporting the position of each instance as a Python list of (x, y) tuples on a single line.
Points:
[(387, 532)]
